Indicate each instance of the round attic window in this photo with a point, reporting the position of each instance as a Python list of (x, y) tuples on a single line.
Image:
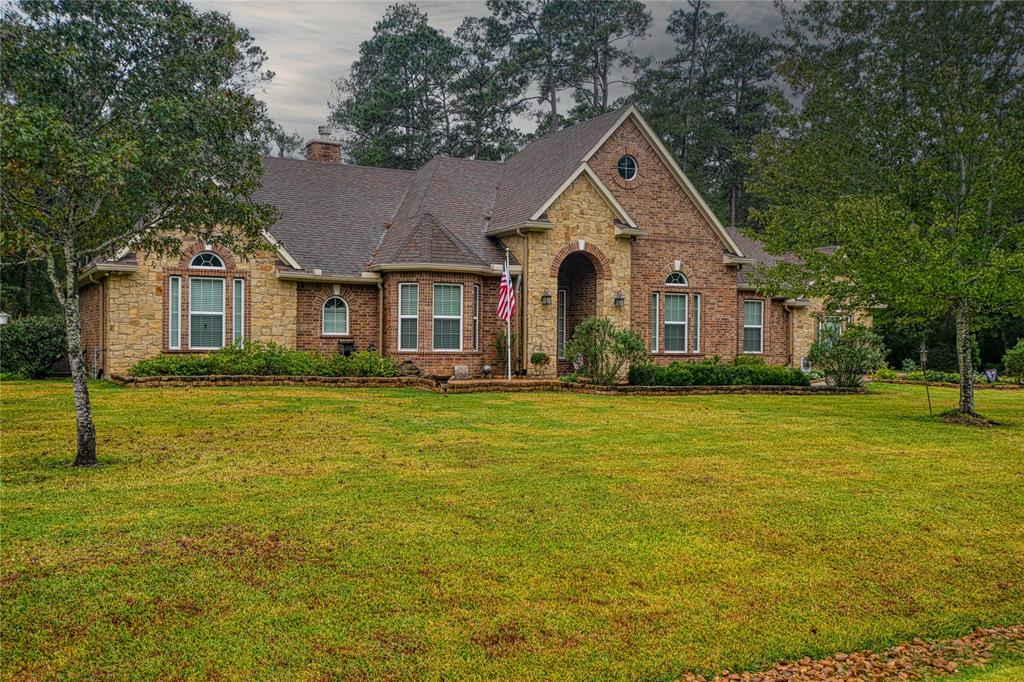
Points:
[(627, 167)]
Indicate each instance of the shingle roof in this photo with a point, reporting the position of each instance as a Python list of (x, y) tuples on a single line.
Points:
[(753, 248), (342, 219), (536, 172), (332, 216)]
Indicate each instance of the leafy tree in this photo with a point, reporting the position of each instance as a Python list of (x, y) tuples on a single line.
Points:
[(490, 89), (124, 125), (25, 288), (1013, 361), (710, 100), (900, 178), (602, 33), (283, 144), (844, 357), (605, 350), (397, 103), (539, 32)]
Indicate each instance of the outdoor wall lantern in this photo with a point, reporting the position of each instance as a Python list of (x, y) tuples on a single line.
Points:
[(545, 298), (4, 319), (620, 299)]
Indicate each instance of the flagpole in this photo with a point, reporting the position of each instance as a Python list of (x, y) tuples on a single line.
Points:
[(508, 323)]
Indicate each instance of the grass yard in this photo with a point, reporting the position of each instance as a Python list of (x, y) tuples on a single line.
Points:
[(310, 532)]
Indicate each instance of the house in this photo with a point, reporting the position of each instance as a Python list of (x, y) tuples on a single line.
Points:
[(597, 217)]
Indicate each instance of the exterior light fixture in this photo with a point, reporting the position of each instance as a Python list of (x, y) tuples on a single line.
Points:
[(4, 319), (545, 298), (620, 299)]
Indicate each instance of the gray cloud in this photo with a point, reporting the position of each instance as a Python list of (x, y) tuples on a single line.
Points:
[(311, 44)]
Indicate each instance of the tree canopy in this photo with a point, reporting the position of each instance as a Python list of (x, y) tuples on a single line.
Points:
[(899, 180), (125, 126)]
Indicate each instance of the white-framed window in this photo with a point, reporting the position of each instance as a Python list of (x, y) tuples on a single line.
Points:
[(831, 323), (676, 279), (476, 317), (207, 260), (696, 323), (238, 312), (753, 326), (205, 313), (655, 322), (448, 317), (675, 323), (174, 313), (335, 317), (560, 331), (408, 316)]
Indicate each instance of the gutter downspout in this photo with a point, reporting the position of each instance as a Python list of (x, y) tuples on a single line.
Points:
[(380, 317), (522, 308)]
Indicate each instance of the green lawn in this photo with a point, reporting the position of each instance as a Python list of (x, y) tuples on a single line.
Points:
[(310, 532)]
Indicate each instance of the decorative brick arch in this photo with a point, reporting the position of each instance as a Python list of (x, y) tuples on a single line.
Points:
[(327, 292), (683, 268), (198, 247), (644, 163), (602, 264)]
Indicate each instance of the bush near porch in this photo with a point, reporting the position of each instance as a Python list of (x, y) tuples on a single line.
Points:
[(315, 533)]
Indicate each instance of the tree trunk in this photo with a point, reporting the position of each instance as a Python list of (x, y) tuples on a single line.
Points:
[(963, 355), (552, 95), (86, 454)]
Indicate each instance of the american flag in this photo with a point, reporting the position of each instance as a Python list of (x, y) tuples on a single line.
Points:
[(506, 295)]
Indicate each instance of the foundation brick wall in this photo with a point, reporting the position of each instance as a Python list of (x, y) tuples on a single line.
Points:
[(674, 231), (442, 363), (362, 303), (137, 305)]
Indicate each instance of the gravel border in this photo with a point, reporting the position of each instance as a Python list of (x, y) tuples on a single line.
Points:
[(914, 660)]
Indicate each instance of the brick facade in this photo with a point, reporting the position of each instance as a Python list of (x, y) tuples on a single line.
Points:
[(91, 304), (441, 363), (363, 322)]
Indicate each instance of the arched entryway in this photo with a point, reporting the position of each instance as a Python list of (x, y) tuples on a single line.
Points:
[(577, 299)]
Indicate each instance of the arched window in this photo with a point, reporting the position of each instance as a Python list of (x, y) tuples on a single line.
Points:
[(335, 316), (676, 278), (207, 260), (627, 167)]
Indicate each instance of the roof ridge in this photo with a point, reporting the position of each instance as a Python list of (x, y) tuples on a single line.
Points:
[(569, 127), (455, 238)]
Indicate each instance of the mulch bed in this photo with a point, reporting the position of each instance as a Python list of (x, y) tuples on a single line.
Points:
[(915, 660), (471, 385)]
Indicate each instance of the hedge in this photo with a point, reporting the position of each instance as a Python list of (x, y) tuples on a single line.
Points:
[(30, 345), (716, 374), (264, 359)]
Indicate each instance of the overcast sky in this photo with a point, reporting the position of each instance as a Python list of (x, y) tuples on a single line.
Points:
[(310, 44)]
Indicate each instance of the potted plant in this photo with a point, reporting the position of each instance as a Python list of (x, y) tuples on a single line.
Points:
[(539, 360)]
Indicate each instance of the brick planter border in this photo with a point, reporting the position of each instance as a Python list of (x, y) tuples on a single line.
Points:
[(472, 385)]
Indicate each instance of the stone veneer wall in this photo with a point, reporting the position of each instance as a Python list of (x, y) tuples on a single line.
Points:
[(580, 214), (675, 232), (137, 312), (362, 316)]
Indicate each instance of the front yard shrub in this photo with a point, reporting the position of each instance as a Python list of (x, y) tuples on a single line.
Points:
[(264, 359), (716, 374), (934, 375), (886, 374), (604, 350), (29, 346), (748, 360), (845, 357), (1013, 361)]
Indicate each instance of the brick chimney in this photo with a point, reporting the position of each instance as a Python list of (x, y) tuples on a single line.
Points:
[(324, 149)]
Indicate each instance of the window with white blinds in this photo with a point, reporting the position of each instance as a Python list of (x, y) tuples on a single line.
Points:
[(206, 313)]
